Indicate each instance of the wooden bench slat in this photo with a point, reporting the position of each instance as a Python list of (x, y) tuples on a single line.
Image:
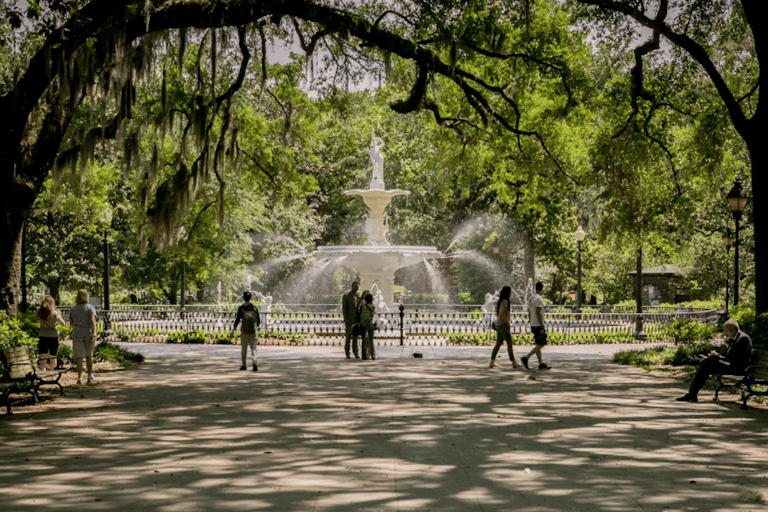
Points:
[(23, 377), (756, 375)]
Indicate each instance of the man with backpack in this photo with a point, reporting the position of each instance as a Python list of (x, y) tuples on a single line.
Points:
[(249, 315)]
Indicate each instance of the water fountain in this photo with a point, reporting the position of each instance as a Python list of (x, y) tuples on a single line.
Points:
[(377, 260)]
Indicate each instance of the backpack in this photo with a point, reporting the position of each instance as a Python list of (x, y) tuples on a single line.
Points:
[(250, 319)]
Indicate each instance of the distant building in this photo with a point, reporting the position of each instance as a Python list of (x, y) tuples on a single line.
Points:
[(662, 284)]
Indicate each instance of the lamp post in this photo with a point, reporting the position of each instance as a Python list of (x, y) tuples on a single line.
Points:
[(737, 201), (105, 302), (579, 236), (727, 242)]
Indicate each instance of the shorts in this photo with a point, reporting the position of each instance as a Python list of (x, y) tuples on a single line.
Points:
[(48, 346), (83, 346), (539, 335)]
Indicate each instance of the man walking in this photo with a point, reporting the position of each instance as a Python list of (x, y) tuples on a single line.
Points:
[(349, 310), (249, 315), (734, 362), (536, 318)]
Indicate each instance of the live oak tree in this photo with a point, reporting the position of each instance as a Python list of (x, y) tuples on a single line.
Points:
[(690, 52), (72, 56), (71, 80)]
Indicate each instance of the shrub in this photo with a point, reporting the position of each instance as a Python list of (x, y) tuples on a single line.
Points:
[(65, 354), (684, 331), (12, 333), (745, 316), (106, 351), (680, 355), (195, 336), (226, 338), (292, 339), (29, 324), (475, 338)]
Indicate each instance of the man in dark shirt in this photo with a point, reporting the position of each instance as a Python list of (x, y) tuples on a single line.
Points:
[(249, 332), (349, 310), (734, 362)]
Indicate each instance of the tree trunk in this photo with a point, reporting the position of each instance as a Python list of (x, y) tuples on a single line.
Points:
[(760, 216)]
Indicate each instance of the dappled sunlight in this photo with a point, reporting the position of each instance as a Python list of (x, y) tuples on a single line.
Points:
[(393, 435)]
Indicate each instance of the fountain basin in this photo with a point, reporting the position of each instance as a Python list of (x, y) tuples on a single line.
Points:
[(378, 263)]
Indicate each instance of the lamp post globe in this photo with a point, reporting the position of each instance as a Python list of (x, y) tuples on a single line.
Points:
[(737, 202)]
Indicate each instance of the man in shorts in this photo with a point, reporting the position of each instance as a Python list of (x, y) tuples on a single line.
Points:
[(536, 318)]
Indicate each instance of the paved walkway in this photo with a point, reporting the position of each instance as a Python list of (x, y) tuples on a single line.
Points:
[(311, 431)]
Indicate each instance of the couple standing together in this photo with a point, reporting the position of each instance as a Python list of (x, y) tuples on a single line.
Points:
[(536, 319), (358, 319)]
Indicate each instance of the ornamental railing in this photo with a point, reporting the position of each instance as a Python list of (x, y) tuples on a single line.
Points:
[(422, 324)]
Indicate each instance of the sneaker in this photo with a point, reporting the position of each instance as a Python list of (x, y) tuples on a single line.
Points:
[(255, 368), (243, 368), (543, 366), (688, 397), (525, 362), (493, 365), (80, 380), (91, 377), (515, 364)]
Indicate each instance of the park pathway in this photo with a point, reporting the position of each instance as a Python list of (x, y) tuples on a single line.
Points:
[(311, 431)]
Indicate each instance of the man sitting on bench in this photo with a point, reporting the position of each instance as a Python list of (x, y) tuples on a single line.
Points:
[(735, 361)]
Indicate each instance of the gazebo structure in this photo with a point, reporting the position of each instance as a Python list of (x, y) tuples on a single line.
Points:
[(662, 284)]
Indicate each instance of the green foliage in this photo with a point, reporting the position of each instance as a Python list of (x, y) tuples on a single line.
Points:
[(106, 351), (553, 338), (65, 354), (291, 338), (475, 338), (29, 324), (751, 323), (684, 331), (195, 336), (675, 356), (12, 333), (225, 338)]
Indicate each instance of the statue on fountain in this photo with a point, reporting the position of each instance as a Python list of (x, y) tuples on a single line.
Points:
[(377, 159)]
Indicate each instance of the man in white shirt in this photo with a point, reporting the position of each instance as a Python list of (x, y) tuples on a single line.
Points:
[(536, 318)]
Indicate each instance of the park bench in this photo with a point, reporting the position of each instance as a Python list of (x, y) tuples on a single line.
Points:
[(756, 375), (20, 375)]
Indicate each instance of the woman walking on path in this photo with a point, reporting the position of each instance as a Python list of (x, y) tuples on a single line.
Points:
[(48, 347), (82, 316), (502, 328)]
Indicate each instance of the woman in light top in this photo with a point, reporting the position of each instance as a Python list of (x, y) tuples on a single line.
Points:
[(48, 345), (367, 312), (82, 316)]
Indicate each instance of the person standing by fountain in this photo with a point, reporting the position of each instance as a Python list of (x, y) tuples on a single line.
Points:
[(349, 310), (249, 314), (536, 318), (366, 325), (502, 328)]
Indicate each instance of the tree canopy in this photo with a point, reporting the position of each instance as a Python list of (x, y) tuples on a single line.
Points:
[(540, 96)]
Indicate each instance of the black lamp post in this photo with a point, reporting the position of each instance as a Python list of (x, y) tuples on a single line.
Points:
[(579, 236), (737, 201), (727, 242), (105, 302)]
